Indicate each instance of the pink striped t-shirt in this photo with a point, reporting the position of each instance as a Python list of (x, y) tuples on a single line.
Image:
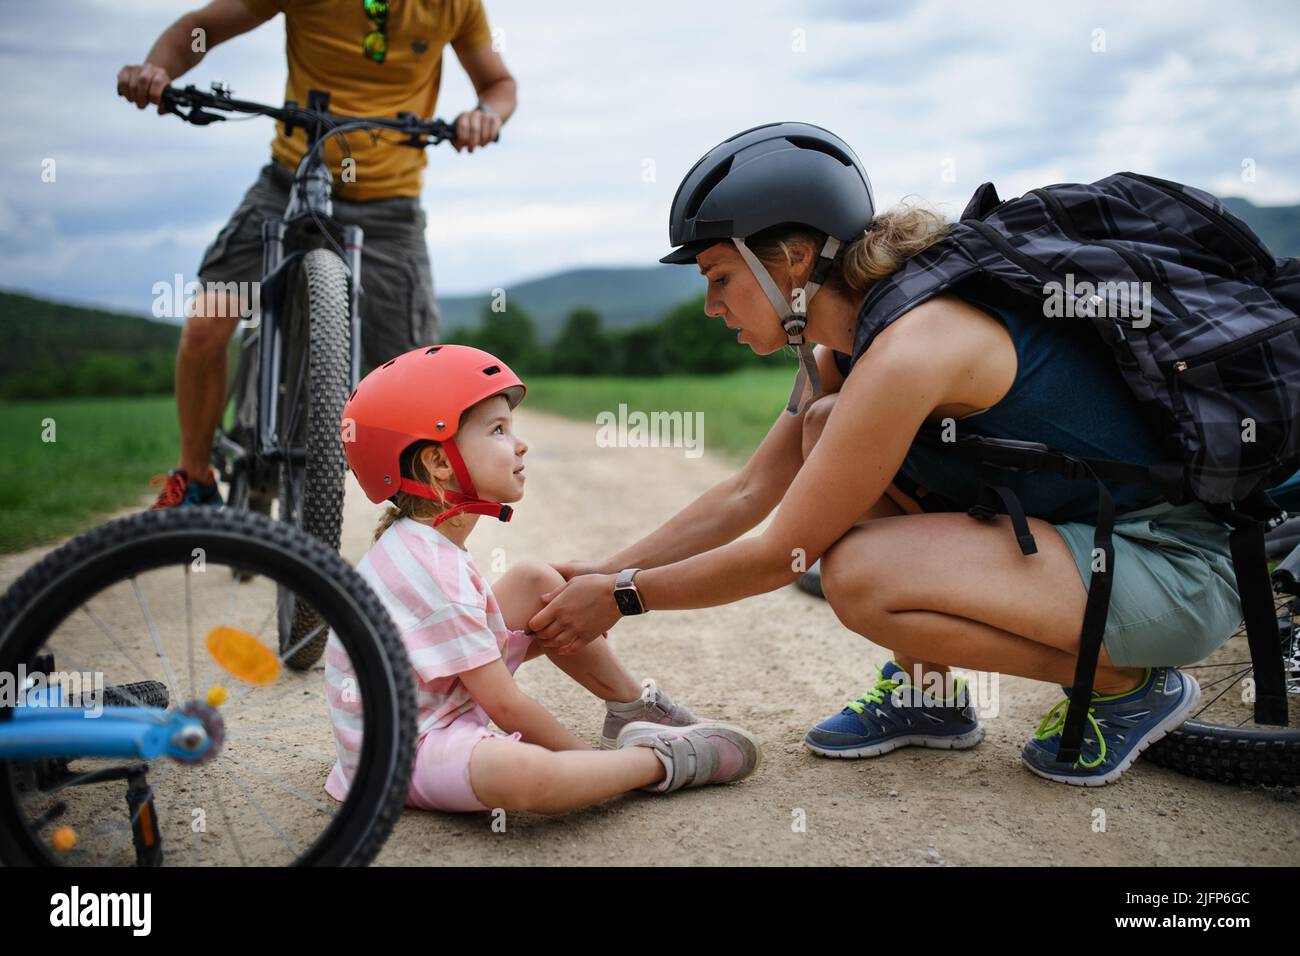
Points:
[(449, 622)]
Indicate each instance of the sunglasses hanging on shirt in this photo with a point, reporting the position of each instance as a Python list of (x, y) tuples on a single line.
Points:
[(374, 45)]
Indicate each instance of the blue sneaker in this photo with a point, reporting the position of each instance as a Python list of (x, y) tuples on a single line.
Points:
[(896, 714), (179, 489), (1119, 728)]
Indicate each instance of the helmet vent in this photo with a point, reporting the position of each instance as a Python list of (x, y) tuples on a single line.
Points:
[(706, 186), (353, 395), (388, 363), (808, 142), (432, 350), (492, 370)]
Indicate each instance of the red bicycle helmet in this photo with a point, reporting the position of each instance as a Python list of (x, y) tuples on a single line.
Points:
[(420, 395)]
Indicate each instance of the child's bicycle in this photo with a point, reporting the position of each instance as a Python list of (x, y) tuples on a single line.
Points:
[(206, 749)]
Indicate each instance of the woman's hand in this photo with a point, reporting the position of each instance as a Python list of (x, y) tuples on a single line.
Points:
[(571, 569), (576, 613)]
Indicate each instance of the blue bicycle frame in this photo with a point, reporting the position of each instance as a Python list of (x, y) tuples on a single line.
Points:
[(45, 729)]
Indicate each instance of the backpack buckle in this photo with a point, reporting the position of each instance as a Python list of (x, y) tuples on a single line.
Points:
[(982, 511)]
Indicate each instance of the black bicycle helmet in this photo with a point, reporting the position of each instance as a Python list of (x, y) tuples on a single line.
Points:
[(776, 174), (766, 176)]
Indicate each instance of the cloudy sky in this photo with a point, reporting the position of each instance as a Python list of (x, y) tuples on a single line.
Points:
[(935, 97)]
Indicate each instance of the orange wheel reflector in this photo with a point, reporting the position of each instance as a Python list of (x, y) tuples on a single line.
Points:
[(64, 838), (242, 655), (147, 824)]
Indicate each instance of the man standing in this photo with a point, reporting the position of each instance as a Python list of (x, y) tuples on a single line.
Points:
[(375, 58)]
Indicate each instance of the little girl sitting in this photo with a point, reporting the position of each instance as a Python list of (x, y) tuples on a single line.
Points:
[(430, 431)]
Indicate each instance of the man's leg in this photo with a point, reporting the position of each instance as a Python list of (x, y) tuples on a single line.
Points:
[(201, 376), (232, 262)]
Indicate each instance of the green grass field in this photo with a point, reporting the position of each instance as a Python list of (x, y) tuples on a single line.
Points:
[(103, 453), (105, 450)]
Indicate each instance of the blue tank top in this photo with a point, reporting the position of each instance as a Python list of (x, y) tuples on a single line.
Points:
[(1069, 394)]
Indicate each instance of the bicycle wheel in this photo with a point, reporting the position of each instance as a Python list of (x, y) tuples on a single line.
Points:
[(1221, 742), (317, 378), (132, 600)]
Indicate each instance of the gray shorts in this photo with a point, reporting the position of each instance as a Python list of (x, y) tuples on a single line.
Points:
[(1174, 593), (398, 308)]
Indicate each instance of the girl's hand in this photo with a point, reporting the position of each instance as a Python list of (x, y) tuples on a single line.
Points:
[(576, 613), (571, 569)]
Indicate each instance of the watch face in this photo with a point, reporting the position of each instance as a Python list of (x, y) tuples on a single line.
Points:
[(627, 600)]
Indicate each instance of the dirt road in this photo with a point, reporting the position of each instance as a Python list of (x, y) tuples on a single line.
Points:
[(778, 663)]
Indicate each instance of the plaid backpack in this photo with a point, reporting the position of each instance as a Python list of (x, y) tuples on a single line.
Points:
[(1204, 323)]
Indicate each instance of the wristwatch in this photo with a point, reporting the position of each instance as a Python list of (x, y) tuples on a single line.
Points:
[(626, 595)]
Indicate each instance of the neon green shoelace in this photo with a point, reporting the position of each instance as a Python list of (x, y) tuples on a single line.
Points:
[(1054, 723), (888, 685), (875, 695)]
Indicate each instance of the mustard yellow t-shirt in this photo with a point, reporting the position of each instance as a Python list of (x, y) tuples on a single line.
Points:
[(323, 45)]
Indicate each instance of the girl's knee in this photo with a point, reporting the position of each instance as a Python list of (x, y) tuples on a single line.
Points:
[(537, 575)]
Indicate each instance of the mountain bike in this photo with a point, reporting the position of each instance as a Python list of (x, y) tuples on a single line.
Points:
[(205, 749), (300, 359)]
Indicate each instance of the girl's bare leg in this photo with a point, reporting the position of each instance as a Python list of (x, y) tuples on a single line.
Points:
[(595, 667), (517, 776)]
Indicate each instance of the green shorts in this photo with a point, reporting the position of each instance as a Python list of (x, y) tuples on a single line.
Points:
[(1174, 595)]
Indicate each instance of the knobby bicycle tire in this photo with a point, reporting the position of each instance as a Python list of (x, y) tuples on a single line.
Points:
[(37, 603), (321, 303)]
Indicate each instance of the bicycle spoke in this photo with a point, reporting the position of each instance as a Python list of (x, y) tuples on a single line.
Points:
[(275, 723), (189, 631), (225, 818), (265, 816), (282, 658), (1197, 667), (279, 784), (172, 686), (160, 717), (140, 669), (255, 741), (1222, 692)]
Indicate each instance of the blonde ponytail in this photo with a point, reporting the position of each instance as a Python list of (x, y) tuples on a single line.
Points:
[(893, 237)]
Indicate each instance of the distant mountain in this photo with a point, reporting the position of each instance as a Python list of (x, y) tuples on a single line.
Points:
[(40, 333), (1277, 226), (623, 296)]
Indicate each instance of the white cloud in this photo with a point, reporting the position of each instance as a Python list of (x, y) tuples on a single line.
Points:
[(1013, 94)]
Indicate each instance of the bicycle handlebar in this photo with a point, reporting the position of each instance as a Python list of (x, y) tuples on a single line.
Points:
[(420, 133)]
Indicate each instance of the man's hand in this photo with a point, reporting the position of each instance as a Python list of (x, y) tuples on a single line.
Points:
[(576, 613), (143, 84), (476, 128)]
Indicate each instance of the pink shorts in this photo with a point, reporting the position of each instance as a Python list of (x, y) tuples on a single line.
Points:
[(440, 778)]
